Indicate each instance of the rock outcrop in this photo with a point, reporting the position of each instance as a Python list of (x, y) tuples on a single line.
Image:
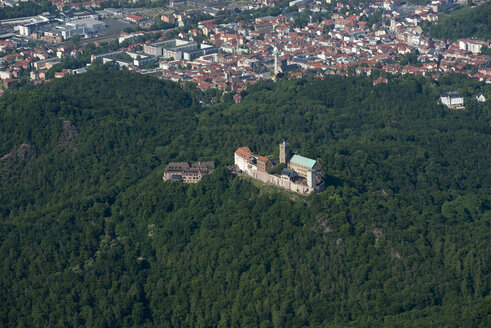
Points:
[(24, 152), (68, 139)]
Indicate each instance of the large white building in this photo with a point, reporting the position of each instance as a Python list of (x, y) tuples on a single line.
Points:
[(28, 29), (244, 160), (179, 49), (80, 26), (5, 75), (473, 46), (451, 99)]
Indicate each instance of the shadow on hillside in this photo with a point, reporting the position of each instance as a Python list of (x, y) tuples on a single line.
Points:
[(333, 181)]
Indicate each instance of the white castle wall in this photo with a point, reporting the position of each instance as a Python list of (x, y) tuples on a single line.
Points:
[(280, 182)]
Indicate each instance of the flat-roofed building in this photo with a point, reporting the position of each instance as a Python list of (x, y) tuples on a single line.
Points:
[(157, 48), (46, 63), (178, 49), (90, 25), (473, 45), (33, 27)]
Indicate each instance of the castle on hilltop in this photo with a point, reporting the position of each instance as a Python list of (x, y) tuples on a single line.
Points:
[(300, 174)]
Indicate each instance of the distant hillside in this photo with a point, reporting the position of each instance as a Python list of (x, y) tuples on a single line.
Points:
[(464, 23), (91, 236), (97, 131), (24, 9)]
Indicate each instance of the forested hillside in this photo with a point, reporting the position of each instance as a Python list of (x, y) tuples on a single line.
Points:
[(464, 23), (91, 236), (30, 8)]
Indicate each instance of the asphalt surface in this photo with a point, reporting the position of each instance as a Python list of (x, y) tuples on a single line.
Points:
[(114, 26)]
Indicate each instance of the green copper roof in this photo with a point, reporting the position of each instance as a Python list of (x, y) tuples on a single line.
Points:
[(300, 160)]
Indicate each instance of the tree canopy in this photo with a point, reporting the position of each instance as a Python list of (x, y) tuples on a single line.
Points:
[(464, 23), (30, 8), (90, 235)]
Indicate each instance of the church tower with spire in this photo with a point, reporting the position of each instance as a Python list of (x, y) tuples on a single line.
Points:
[(276, 61)]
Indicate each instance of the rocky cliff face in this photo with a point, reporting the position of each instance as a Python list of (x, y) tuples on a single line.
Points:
[(24, 152), (68, 139)]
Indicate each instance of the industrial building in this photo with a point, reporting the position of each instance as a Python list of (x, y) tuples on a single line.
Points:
[(178, 49), (49, 26), (28, 29), (125, 58)]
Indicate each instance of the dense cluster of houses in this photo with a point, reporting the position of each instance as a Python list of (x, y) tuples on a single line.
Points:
[(344, 44), (235, 55)]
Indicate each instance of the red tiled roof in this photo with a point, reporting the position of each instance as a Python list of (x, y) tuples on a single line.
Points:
[(379, 80), (208, 21), (134, 17), (243, 152)]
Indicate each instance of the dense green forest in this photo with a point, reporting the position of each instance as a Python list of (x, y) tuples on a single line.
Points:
[(464, 23), (24, 9), (91, 236)]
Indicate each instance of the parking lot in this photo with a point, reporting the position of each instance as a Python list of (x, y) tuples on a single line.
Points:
[(114, 26)]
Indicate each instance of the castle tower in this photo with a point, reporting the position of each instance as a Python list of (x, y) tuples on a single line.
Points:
[(284, 153), (311, 178)]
